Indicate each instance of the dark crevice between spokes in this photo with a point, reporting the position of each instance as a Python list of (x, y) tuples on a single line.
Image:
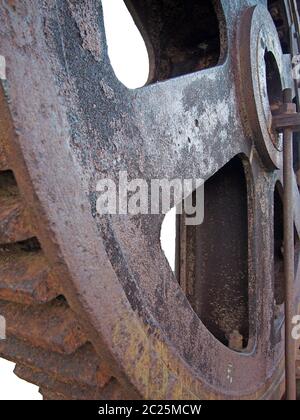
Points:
[(212, 259)]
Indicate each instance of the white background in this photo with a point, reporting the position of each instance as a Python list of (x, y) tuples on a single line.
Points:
[(129, 59)]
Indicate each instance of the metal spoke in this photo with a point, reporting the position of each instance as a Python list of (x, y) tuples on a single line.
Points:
[(188, 130)]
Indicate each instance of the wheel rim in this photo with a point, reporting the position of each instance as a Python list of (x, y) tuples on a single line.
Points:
[(136, 312)]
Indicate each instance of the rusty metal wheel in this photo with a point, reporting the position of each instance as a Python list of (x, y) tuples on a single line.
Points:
[(93, 309)]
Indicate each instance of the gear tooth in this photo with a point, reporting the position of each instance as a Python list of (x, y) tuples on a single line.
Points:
[(51, 326), (44, 338), (6, 131), (3, 161), (54, 388), (15, 224), (44, 381), (81, 375), (25, 277), (82, 367)]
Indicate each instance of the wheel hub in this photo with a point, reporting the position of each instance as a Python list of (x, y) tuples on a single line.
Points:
[(264, 76)]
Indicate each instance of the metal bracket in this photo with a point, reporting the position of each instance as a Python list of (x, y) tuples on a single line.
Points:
[(287, 119)]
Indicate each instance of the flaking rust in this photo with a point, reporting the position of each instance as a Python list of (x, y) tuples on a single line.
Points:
[(92, 308)]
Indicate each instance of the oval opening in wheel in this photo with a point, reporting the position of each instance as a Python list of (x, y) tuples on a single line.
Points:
[(213, 258)]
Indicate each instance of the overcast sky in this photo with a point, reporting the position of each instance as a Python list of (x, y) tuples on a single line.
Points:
[(127, 50)]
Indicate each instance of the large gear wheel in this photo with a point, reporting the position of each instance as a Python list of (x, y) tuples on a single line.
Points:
[(93, 309)]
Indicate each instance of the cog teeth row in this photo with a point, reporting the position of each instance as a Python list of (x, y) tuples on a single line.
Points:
[(44, 338), (25, 276), (15, 225), (44, 381), (55, 389), (50, 326), (83, 368)]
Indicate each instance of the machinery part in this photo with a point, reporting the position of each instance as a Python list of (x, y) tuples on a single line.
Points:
[(65, 123), (288, 110), (298, 366), (44, 337), (261, 71), (298, 369)]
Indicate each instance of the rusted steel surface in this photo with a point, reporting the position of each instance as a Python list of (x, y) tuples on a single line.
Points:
[(289, 244), (69, 391), (291, 121), (14, 221), (50, 326), (68, 122), (298, 361), (44, 338), (25, 276), (83, 368)]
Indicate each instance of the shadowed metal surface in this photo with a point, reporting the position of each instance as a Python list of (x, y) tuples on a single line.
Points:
[(66, 122)]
